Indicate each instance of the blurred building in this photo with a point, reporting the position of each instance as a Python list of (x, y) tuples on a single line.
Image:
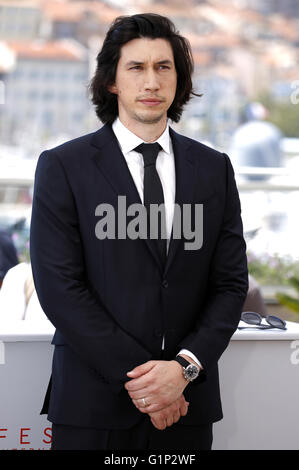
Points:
[(240, 52), (56, 19), (286, 7), (80, 20), (19, 20), (45, 89)]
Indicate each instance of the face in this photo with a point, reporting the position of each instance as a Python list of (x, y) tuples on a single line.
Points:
[(145, 81)]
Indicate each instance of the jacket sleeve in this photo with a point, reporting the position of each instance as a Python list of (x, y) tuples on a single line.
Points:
[(61, 282), (227, 286)]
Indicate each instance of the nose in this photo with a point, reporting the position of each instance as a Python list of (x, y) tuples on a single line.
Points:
[(151, 81)]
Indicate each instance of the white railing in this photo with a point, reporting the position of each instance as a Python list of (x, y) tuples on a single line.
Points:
[(281, 179)]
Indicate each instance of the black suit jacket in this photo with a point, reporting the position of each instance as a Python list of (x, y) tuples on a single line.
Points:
[(111, 300)]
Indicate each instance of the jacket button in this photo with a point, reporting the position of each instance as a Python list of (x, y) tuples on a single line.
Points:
[(165, 283)]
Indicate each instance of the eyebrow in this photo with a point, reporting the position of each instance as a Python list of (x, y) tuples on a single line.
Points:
[(160, 62)]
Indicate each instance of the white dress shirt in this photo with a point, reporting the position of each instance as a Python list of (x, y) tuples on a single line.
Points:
[(165, 166)]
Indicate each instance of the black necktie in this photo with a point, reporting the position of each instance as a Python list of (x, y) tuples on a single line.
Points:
[(153, 191)]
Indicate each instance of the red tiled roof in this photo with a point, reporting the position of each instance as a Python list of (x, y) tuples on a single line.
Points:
[(213, 39), (51, 50), (285, 27), (70, 11)]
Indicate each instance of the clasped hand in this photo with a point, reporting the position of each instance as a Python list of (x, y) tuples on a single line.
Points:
[(161, 385)]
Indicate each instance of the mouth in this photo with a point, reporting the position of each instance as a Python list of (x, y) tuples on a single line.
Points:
[(150, 102)]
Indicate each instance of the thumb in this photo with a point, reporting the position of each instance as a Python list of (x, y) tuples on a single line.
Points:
[(142, 369)]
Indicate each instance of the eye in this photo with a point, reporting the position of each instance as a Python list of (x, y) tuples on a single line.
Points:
[(163, 67), (135, 67)]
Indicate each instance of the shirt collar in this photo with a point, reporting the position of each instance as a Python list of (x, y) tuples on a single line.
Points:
[(128, 140)]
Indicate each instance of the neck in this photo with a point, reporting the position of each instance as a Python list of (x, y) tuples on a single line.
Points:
[(146, 132)]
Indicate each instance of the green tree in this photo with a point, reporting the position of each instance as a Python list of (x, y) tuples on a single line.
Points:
[(284, 114), (290, 302)]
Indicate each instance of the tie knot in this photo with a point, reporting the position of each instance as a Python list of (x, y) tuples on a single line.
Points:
[(149, 152)]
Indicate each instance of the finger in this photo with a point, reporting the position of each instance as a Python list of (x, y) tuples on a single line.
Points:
[(172, 413), (139, 394), (159, 423), (149, 408), (176, 417), (142, 369), (176, 414), (143, 403), (138, 384), (152, 404), (140, 404), (169, 420), (153, 395), (184, 409), (137, 404)]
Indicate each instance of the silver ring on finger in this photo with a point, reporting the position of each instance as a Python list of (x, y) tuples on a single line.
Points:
[(144, 402)]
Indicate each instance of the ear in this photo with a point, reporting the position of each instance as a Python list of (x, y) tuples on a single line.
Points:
[(112, 89)]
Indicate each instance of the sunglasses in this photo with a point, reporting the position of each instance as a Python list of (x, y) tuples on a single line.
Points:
[(255, 319)]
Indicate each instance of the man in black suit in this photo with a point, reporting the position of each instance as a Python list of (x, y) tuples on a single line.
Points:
[(142, 314)]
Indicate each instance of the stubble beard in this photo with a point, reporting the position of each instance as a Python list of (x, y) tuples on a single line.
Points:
[(148, 120)]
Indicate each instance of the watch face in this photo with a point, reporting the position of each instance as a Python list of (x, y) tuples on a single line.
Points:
[(191, 372)]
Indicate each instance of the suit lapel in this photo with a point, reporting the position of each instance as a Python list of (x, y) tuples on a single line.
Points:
[(184, 186), (112, 164)]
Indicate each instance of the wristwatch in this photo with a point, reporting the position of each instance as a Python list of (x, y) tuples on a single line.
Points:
[(190, 370)]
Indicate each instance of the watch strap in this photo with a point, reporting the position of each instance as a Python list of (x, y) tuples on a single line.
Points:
[(181, 360)]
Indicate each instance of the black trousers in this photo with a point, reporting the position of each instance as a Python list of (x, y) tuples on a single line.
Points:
[(142, 436)]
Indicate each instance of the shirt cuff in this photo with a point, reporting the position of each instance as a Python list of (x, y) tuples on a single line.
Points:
[(191, 355)]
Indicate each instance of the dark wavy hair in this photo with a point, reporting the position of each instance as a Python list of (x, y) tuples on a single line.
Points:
[(123, 30)]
